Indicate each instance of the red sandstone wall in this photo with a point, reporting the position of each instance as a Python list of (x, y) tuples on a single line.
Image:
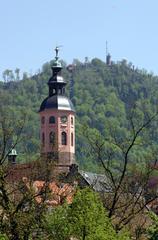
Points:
[(66, 152)]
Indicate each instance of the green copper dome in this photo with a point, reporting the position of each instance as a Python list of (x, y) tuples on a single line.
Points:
[(56, 63), (13, 152)]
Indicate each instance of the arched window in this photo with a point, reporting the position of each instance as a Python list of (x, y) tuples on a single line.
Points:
[(63, 138), (43, 120), (52, 120), (72, 121), (72, 139), (52, 138), (43, 139)]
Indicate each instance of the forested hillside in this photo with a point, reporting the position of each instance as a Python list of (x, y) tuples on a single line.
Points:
[(104, 97)]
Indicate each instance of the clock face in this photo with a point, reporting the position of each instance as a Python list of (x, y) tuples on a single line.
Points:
[(63, 119)]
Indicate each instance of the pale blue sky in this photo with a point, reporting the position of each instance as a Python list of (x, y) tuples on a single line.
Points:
[(30, 30)]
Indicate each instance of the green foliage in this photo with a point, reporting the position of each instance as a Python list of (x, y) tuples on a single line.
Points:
[(85, 219), (56, 224), (153, 230), (103, 98), (3, 237), (88, 219)]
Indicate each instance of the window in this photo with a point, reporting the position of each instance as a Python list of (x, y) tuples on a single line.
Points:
[(43, 139), (60, 91), (52, 138), (63, 138), (72, 139), (52, 120), (43, 120), (72, 121)]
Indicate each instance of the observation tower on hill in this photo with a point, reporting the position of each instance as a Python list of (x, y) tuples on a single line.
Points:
[(57, 117)]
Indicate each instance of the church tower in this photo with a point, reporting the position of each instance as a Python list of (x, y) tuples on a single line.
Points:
[(57, 118)]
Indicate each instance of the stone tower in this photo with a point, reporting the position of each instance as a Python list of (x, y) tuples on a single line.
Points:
[(57, 117)]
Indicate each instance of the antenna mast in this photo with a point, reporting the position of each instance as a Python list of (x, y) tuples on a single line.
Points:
[(106, 48)]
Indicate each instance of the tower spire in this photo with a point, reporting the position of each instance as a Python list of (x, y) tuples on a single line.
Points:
[(57, 116), (56, 83)]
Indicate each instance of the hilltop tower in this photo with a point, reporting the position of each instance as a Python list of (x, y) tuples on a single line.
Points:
[(57, 117), (108, 56)]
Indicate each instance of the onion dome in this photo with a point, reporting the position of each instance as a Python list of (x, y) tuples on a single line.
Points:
[(56, 84)]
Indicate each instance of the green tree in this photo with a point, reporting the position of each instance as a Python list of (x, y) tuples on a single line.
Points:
[(21, 214), (153, 229), (88, 219), (118, 154), (3, 237), (17, 72), (56, 225), (84, 219)]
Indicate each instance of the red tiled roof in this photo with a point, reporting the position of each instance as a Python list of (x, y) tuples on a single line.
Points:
[(57, 195)]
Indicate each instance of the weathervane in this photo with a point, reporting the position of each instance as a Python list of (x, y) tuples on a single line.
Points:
[(57, 52)]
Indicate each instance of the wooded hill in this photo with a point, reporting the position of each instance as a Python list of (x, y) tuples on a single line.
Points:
[(105, 97)]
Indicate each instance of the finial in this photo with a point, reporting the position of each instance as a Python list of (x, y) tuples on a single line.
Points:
[(57, 51)]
